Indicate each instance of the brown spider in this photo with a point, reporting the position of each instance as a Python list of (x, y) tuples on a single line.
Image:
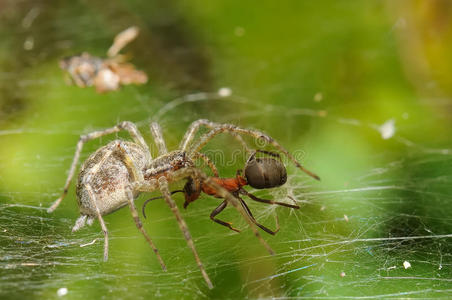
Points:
[(114, 175), (105, 74), (259, 173)]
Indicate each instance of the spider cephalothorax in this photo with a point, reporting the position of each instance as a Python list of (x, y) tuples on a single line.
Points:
[(114, 175), (167, 163)]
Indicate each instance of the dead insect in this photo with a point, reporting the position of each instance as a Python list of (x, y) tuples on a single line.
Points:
[(106, 74), (114, 176), (259, 173)]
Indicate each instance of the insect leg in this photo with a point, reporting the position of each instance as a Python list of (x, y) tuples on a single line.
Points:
[(218, 210), (222, 193), (267, 201), (255, 222)]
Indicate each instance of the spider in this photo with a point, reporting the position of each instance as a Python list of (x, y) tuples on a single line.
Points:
[(115, 174), (260, 173), (105, 74)]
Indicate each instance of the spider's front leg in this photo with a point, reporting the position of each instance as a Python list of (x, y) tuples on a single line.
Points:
[(194, 128), (163, 184), (235, 130)]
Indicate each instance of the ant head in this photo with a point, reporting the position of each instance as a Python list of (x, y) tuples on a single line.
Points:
[(265, 172), (192, 190)]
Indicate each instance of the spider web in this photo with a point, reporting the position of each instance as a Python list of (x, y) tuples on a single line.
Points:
[(354, 239), (378, 225)]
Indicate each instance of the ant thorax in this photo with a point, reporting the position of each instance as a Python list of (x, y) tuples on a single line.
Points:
[(167, 163)]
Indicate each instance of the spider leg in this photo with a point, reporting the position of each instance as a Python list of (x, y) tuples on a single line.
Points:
[(270, 153), (128, 126), (232, 129), (156, 132), (252, 197), (221, 193), (137, 176), (196, 125), (218, 210), (139, 225), (209, 163), (255, 222), (81, 221), (147, 186), (163, 183), (93, 199)]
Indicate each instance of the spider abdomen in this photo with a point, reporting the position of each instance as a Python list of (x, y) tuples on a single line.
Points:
[(108, 176)]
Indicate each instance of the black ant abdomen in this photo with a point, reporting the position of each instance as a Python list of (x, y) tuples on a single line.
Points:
[(265, 172)]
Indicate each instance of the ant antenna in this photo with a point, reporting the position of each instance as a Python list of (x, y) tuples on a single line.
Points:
[(155, 198)]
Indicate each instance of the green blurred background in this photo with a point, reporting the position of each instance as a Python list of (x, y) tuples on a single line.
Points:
[(321, 77)]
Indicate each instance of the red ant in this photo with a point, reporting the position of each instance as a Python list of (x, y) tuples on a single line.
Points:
[(260, 173)]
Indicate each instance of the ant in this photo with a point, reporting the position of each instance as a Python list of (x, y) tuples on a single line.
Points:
[(259, 173)]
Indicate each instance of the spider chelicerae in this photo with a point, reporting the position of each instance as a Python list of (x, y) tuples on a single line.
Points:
[(114, 175)]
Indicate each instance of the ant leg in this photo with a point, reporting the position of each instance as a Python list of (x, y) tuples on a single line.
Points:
[(92, 197), (255, 222), (163, 183), (222, 193), (128, 126), (218, 210), (139, 225), (267, 201)]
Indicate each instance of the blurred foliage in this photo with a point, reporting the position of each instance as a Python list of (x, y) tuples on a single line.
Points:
[(319, 76)]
